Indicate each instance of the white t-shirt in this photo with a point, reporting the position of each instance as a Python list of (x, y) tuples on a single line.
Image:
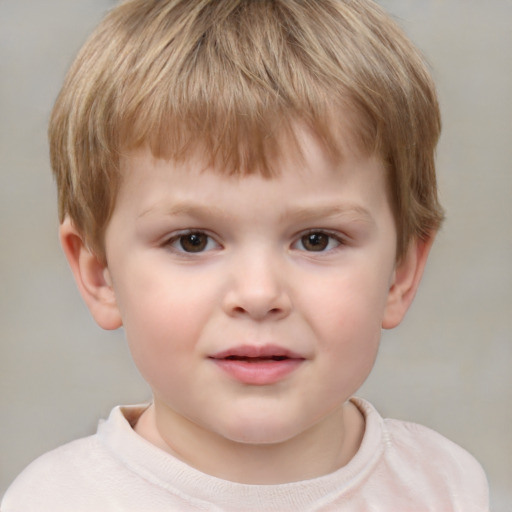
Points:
[(400, 467)]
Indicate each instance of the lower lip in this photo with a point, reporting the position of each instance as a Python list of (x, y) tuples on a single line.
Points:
[(260, 373)]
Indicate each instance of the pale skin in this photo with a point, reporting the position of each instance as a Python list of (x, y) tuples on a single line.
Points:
[(199, 263)]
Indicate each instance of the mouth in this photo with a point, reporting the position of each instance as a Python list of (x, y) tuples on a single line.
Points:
[(256, 359), (259, 366), (256, 353)]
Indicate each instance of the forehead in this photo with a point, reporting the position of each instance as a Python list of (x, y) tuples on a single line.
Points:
[(304, 169)]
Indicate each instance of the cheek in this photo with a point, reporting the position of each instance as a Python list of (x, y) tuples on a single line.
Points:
[(353, 302), (163, 320), (346, 320)]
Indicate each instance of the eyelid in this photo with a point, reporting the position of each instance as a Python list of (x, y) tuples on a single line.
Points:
[(325, 231)]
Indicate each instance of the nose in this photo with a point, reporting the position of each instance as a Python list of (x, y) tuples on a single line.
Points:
[(258, 289)]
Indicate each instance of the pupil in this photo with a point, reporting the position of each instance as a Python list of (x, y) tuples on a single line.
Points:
[(194, 242), (315, 241)]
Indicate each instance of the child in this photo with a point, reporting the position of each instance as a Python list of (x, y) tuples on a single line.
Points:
[(248, 188)]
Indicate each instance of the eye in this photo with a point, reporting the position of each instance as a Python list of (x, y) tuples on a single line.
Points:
[(318, 241), (192, 242)]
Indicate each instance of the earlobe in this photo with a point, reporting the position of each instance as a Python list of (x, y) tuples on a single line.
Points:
[(406, 279), (92, 277)]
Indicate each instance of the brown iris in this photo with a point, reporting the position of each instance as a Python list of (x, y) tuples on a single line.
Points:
[(193, 242), (315, 241)]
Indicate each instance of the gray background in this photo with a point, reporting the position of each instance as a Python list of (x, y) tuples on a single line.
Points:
[(448, 366)]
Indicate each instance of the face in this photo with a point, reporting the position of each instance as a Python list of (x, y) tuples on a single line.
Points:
[(253, 307)]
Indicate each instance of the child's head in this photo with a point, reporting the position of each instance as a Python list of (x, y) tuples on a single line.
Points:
[(248, 187), (231, 81)]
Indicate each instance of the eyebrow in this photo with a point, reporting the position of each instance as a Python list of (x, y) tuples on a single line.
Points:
[(185, 208), (301, 213), (352, 210)]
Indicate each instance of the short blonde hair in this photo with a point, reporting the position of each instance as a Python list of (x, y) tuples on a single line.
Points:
[(231, 77)]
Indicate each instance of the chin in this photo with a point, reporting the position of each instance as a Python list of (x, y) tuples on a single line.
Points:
[(261, 431)]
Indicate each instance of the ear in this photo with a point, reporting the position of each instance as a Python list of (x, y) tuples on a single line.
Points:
[(92, 277), (406, 279)]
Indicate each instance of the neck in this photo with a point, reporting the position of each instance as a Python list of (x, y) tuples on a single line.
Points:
[(325, 447)]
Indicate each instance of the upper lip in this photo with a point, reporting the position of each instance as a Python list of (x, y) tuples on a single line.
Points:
[(256, 352)]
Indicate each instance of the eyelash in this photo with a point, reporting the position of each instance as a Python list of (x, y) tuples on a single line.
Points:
[(204, 245)]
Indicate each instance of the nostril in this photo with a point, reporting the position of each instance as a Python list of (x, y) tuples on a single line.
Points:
[(256, 304)]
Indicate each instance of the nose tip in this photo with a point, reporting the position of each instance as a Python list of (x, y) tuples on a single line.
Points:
[(259, 293)]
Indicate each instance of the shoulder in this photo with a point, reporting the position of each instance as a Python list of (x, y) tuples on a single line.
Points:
[(419, 443), (52, 474), (426, 466), (76, 473), (441, 465)]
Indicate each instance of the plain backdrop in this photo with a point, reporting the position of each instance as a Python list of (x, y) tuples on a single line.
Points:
[(448, 366)]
